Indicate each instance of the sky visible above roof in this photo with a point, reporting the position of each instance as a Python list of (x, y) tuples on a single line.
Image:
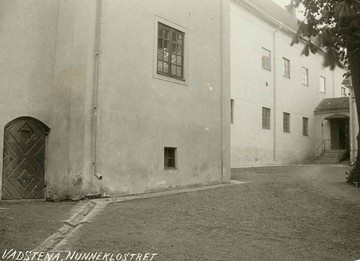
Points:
[(281, 3), (276, 10), (273, 10)]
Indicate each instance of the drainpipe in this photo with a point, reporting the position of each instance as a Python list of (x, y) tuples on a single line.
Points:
[(274, 84), (333, 83), (96, 88)]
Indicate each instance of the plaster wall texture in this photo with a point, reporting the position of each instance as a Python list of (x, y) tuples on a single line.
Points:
[(48, 71), (141, 112), (69, 149), (252, 88), (27, 50)]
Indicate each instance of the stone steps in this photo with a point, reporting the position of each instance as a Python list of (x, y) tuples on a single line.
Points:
[(331, 156)]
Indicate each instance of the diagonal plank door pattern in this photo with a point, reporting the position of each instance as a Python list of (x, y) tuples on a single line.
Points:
[(23, 160)]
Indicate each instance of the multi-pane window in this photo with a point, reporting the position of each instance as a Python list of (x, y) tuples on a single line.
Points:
[(305, 74), (169, 158), (286, 65), (286, 122), (232, 104), (170, 52), (266, 59), (322, 84), (305, 126), (265, 118)]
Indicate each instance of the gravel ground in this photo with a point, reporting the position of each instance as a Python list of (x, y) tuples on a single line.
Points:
[(280, 213), (25, 225)]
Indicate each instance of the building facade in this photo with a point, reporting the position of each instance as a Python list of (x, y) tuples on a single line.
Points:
[(275, 90), (115, 97), (124, 97)]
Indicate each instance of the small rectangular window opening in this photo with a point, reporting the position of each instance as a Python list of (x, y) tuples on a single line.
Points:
[(266, 118), (305, 126), (169, 158), (266, 59), (322, 84), (343, 92), (305, 73), (286, 122), (286, 64)]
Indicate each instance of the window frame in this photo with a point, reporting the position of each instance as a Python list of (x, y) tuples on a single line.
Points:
[(162, 77), (305, 127), (305, 80), (286, 122), (173, 157), (322, 80), (286, 68), (266, 118), (171, 52), (343, 91), (266, 60)]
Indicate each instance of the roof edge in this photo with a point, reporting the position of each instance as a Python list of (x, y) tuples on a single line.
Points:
[(267, 17), (264, 15)]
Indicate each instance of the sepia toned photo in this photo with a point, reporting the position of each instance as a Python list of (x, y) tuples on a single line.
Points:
[(183, 130)]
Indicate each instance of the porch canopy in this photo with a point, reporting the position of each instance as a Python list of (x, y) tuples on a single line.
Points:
[(335, 105), (337, 116)]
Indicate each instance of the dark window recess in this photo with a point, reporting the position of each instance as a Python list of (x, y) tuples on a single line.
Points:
[(266, 59), (169, 158), (305, 126), (266, 118), (286, 64), (170, 52), (286, 122)]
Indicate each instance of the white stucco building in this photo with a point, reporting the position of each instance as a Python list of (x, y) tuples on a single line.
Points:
[(115, 97), (276, 91), (124, 97)]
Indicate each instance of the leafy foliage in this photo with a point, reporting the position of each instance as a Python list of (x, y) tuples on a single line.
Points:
[(332, 26)]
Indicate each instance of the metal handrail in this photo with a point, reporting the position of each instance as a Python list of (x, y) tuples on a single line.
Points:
[(322, 145), (317, 149)]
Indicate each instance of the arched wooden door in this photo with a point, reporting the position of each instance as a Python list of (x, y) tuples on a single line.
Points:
[(24, 159)]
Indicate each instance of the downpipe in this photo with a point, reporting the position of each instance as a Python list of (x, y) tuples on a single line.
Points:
[(274, 83), (95, 108)]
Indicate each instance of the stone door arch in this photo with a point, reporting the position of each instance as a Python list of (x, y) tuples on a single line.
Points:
[(23, 175)]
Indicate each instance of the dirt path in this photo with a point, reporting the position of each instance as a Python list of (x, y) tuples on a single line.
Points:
[(280, 213)]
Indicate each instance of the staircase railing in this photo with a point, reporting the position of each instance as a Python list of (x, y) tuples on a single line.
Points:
[(323, 146)]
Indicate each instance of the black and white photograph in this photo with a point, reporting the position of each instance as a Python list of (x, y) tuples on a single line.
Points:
[(182, 130)]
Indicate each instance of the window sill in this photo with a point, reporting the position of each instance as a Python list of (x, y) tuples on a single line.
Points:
[(170, 168), (170, 79)]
